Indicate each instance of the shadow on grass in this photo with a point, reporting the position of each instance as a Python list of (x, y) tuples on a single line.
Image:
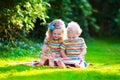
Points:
[(66, 75), (20, 68)]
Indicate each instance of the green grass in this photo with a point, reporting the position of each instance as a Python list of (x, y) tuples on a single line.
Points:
[(104, 54)]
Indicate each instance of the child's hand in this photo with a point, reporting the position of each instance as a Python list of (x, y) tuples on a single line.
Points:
[(45, 49), (52, 55), (80, 56), (48, 52)]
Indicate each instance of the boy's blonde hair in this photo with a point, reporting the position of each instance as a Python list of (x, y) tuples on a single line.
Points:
[(58, 24), (73, 27)]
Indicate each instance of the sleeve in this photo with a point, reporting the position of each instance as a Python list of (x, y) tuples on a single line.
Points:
[(63, 47), (83, 45)]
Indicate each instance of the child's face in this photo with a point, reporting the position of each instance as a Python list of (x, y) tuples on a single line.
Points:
[(72, 37), (57, 34)]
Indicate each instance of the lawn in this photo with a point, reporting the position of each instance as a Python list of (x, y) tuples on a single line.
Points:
[(102, 53)]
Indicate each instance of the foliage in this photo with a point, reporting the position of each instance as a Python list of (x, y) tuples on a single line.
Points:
[(117, 21), (79, 10), (38, 31), (96, 17), (20, 48), (17, 17), (118, 18), (107, 16)]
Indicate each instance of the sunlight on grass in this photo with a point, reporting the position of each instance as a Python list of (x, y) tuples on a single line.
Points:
[(61, 73), (102, 54)]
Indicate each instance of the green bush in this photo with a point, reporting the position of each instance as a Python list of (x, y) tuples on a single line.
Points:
[(80, 11), (17, 17), (107, 16), (20, 48)]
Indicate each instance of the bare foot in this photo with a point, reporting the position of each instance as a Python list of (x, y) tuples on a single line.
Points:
[(61, 64), (51, 62), (43, 60), (77, 65)]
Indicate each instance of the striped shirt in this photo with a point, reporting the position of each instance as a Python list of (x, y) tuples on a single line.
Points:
[(73, 49), (54, 45)]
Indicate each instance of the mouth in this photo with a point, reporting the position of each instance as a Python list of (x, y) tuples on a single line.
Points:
[(71, 40), (55, 37)]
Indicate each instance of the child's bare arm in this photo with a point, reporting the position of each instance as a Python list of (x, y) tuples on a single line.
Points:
[(82, 53), (45, 49), (63, 54)]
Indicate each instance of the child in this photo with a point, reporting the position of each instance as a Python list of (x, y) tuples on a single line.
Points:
[(54, 38), (74, 48)]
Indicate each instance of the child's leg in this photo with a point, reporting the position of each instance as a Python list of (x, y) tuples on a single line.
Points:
[(77, 65), (51, 62), (46, 63), (60, 64), (82, 64), (52, 55), (51, 59), (43, 59)]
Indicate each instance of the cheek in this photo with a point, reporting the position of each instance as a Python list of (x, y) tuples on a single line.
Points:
[(68, 38), (59, 36), (53, 35)]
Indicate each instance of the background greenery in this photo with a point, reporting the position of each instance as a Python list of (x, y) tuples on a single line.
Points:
[(29, 18), (23, 24), (25, 21), (18, 18)]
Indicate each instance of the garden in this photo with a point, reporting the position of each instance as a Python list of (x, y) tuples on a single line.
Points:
[(23, 24)]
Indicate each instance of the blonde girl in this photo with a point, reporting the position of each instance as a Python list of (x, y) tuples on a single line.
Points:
[(55, 35)]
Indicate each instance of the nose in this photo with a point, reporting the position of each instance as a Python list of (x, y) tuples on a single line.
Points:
[(56, 35), (71, 39)]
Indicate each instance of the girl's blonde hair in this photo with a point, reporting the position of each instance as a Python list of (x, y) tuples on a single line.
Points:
[(73, 27), (58, 24)]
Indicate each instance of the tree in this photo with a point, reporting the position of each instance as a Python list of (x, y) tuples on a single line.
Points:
[(108, 16), (17, 17), (80, 11)]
